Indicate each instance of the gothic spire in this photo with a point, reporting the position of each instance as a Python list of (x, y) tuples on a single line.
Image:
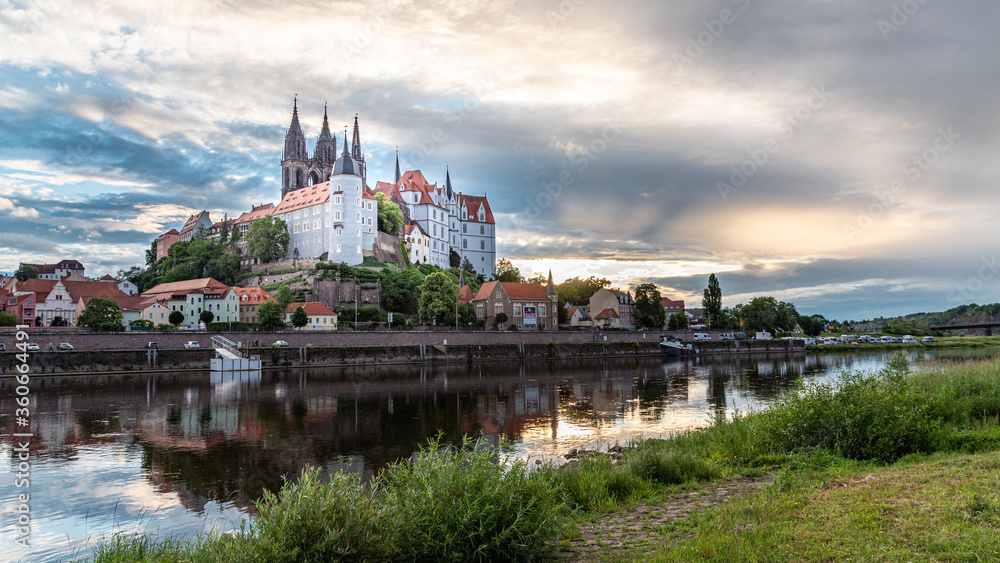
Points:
[(325, 133), (398, 175), (326, 144), (356, 141), (295, 141), (447, 182)]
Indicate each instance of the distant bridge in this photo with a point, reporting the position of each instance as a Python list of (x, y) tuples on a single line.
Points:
[(988, 325)]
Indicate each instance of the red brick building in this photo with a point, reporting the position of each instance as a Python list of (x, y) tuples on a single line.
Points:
[(526, 305)]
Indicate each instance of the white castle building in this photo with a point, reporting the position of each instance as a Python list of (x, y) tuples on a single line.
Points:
[(330, 209)]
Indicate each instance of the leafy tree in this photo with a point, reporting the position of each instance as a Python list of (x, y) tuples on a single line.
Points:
[(25, 272), (438, 296), (9, 319), (649, 311), (224, 267), (390, 218), (299, 317), (454, 258), (141, 323), (767, 314), (132, 274), (271, 315), (500, 319), (267, 239), (712, 303), (400, 289), (284, 296), (206, 317), (101, 314), (175, 317), (506, 272), (538, 279), (812, 326), (151, 254), (677, 321)]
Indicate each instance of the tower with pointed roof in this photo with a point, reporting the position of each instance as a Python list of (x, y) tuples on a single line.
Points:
[(325, 154), (356, 154), (295, 157)]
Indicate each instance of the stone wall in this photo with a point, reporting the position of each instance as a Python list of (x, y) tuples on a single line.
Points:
[(343, 292)]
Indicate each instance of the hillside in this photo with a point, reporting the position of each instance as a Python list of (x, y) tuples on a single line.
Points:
[(963, 314)]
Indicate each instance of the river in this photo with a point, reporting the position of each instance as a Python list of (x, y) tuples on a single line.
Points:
[(185, 453)]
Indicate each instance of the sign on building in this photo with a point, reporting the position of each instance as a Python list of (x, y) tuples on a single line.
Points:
[(530, 316)]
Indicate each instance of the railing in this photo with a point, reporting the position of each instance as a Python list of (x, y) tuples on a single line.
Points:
[(223, 344)]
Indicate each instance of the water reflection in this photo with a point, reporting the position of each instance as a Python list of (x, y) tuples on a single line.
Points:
[(187, 452)]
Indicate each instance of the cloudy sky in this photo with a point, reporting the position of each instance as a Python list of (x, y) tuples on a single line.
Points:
[(837, 154)]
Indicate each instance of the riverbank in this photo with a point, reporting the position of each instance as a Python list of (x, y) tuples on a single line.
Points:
[(164, 359), (877, 467)]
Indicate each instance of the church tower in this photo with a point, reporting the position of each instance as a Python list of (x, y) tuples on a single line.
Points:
[(356, 154), (325, 154), (295, 158)]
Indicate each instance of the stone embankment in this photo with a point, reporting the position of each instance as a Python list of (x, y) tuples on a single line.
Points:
[(94, 352)]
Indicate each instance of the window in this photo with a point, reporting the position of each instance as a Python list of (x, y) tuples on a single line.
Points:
[(465, 228), (359, 216), (338, 215), (497, 308), (359, 202), (482, 229), (316, 224), (338, 247), (336, 198), (297, 214), (327, 221), (541, 310), (295, 229), (316, 210), (479, 310), (305, 226), (482, 245), (465, 243), (517, 310)]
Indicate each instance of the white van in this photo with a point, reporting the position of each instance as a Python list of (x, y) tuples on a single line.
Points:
[(698, 336), (727, 336), (908, 339), (763, 336)]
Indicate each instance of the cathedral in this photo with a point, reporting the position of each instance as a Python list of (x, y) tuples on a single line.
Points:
[(330, 209)]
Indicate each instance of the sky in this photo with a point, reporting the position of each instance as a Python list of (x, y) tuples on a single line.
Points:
[(840, 155)]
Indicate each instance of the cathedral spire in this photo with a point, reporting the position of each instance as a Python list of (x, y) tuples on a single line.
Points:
[(295, 141), (356, 141), (325, 133), (398, 175), (326, 145)]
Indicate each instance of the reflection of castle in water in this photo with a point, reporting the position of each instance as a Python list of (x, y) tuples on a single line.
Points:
[(229, 438)]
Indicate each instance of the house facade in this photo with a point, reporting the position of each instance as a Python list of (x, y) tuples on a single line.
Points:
[(250, 299), (527, 305), (192, 297), (164, 242), (417, 242), (58, 270), (620, 302), (320, 316), (197, 223)]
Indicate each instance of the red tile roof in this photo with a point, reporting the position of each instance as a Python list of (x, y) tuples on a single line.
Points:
[(513, 290), (407, 229), (465, 295), (256, 212), (305, 197), (251, 292), (202, 285), (607, 314), (472, 203), (312, 308)]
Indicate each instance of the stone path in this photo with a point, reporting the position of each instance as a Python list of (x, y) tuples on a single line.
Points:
[(642, 525)]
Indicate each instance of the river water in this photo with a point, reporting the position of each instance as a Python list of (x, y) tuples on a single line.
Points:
[(187, 453)]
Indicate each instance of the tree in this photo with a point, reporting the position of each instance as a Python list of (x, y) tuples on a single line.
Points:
[(390, 218), (25, 272), (438, 296), (267, 240), (506, 272), (813, 325), (206, 317), (176, 317), (101, 314), (677, 321), (9, 319), (151, 254), (767, 314), (538, 279), (712, 303), (132, 274), (499, 319), (454, 258), (399, 288), (649, 311), (271, 315), (284, 296), (467, 266), (300, 318)]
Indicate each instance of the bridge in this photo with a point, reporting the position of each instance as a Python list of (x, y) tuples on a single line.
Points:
[(988, 325)]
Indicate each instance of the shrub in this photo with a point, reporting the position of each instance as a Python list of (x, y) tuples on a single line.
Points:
[(669, 468), (464, 505)]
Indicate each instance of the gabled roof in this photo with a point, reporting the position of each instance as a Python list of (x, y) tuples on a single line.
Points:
[(607, 314), (170, 232), (407, 229), (107, 277), (304, 197), (572, 311), (202, 285), (414, 181), (513, 290), (252, 292), (671, 303), (465, 295), (40, 287), (472, 203), (192, 222), (312, 308), (256, 212)]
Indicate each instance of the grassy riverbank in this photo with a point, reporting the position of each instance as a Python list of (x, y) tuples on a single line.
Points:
[(881, 467)]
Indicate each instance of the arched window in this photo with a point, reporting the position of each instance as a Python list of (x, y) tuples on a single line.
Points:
[(482, 245)]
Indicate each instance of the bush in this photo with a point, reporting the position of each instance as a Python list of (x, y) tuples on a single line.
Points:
[(462, 505), (667, 467)]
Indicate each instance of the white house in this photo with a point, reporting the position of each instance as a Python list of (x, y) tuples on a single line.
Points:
[(418, 242)]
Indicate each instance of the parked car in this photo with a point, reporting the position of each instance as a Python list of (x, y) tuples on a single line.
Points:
[(32, 347), (741, 336), (192, 344), (699, 336), (280, 343), (909, 339), (927, 339), (65, 346), (151, 345), (764, 336), (3, 347), (727, 336)]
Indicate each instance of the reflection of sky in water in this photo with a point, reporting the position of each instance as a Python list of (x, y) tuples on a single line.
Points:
[(152, 454)]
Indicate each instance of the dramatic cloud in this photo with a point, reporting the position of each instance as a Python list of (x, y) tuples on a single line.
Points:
[(838, 154)]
